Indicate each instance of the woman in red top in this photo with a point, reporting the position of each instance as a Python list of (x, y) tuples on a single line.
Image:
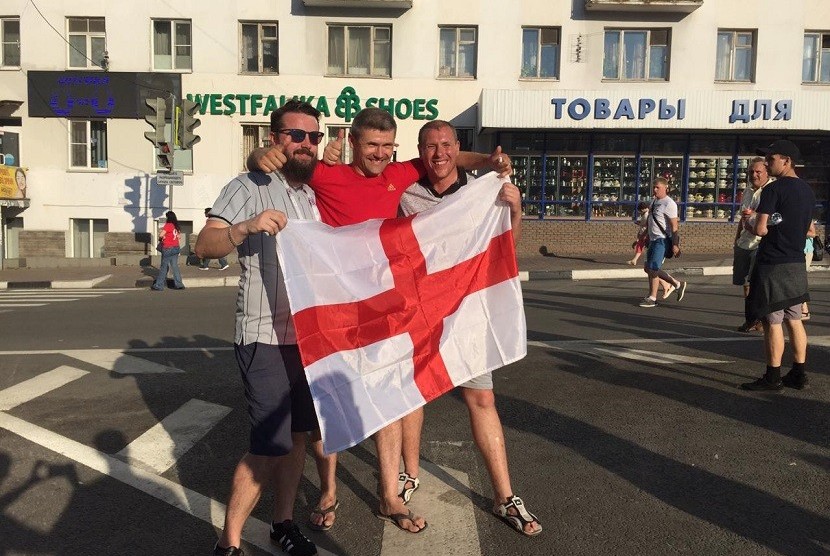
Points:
[(169, 238)]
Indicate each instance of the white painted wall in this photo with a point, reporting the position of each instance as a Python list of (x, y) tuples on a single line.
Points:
[(58, 194)]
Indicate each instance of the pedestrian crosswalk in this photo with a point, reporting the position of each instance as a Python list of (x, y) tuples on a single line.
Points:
[(21, 299)]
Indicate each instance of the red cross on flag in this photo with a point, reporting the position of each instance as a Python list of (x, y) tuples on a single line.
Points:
[(391, 314)]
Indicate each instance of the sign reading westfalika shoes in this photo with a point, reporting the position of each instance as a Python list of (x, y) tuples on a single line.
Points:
[(346, 105)]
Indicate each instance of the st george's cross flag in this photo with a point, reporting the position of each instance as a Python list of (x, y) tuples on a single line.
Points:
[(391, 314)]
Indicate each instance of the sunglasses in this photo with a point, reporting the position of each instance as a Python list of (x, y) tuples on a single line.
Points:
[(298, 135)]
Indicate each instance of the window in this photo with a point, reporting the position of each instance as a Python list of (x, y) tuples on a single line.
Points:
[(259, 48), (360, 50), (172, 45), (457, 52), (88, 144), (736, 58), (466, 138), (87, 42), (816, 65), (10, 38), (253, 137), (88, 237), (636, 54), (540, 52)]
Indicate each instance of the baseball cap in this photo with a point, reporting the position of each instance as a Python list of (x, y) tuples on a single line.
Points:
[(782, 147)]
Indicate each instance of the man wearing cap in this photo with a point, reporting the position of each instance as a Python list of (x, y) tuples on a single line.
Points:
[(778, 284)]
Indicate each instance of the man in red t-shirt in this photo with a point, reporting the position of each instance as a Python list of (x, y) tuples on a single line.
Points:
[(371, 187)]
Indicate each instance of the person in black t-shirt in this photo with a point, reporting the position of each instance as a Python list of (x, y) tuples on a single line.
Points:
[(778, 284)]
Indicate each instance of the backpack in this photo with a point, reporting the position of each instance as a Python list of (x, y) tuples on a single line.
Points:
[(818, 249)]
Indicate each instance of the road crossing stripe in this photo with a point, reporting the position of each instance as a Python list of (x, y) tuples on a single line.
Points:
[(22, 304), (256, 532), (160, 447), (27, 390), (117, 361), (654, 356)]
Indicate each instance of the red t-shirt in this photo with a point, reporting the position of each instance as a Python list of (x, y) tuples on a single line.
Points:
[(171, 236), (345, 197)]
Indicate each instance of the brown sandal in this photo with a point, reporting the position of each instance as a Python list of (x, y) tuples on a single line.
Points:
[(323, 512)]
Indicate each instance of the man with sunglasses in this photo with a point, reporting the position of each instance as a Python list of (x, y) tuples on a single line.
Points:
[(370, 187), (249, 212), (778, 284)]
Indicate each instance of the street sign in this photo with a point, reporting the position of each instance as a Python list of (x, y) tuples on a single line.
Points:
[(171, 178)]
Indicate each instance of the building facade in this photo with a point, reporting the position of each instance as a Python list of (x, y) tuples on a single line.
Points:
[(591, 98)]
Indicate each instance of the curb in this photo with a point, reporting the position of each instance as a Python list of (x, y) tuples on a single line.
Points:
[(629, 273), (196, 282)]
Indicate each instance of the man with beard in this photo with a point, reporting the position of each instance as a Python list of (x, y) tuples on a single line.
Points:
[(249, 212), (778, 285)]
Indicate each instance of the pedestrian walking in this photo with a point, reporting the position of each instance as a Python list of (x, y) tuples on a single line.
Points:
[(663, 236), (204, 264), (169, 236)]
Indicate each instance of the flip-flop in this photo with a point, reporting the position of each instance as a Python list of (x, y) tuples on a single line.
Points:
[(323, 511), (396, 519), (518, 521)]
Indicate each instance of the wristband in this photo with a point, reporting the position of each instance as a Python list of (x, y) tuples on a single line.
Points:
[(230, 238), (675, 239)]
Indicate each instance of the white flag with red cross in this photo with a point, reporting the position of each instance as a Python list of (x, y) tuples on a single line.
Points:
[(391, 314)]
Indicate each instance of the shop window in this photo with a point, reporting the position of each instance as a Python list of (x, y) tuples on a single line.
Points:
[(736, 56), (815, 67), (86, 42), (10, 39), (466, 138), (254, 136), (540, 52), (457, 52), (331, 135), (88, 144), (259, 47), (357, 50), (636, 54), (88, 237), (172, 47)]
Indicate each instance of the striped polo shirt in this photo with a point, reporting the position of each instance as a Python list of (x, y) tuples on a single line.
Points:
[(262, 311)]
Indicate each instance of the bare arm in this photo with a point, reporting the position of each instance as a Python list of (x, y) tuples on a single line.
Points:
[(811, 231), (510, 194), (761, 228), (675, 228), (496, 161), (217, 239)]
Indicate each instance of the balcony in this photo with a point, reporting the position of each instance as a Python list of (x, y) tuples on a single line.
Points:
[(381, 4), (643, 6)]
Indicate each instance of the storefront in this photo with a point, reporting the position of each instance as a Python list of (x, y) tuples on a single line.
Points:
[(589, 155)]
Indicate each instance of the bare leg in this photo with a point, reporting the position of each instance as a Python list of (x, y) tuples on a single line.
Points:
[(251, 476), (489, 438), (326, 469), (287, 475), (388, 443), (798, 340), (774, 343), (411, 442)]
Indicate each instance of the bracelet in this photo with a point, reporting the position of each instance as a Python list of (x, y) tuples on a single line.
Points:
[(230, 238)]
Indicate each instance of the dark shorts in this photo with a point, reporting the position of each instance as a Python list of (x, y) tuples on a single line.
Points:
[(656, 253), (279, 400)]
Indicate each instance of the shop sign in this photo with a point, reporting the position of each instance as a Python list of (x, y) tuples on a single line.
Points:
[(12, 182), (346, 105), (743, 110)]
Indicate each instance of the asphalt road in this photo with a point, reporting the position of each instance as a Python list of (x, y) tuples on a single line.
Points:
[(626, 432)]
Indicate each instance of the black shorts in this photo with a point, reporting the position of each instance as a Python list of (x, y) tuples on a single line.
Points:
[(279, 400)]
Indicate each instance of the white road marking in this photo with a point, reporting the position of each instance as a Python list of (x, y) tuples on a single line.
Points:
[(22, 304), (654, 356), (448, 508), (128, 350), (256, 532), (160, 447), (117, 361), (37, 386)]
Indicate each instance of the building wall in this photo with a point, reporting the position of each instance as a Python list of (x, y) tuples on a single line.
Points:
[(125, 193)]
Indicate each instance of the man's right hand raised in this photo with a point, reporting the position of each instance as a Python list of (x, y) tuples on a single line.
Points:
[(269, 221), (334, 150), (266, 159)]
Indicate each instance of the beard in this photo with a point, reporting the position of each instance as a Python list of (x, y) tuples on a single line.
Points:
[(299, 171)]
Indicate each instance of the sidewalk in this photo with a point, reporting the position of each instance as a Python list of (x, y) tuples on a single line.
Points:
[(532, 267)]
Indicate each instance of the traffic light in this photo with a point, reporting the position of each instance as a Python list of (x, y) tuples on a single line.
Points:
[(164, 157), (155, 118), (189, 122)]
